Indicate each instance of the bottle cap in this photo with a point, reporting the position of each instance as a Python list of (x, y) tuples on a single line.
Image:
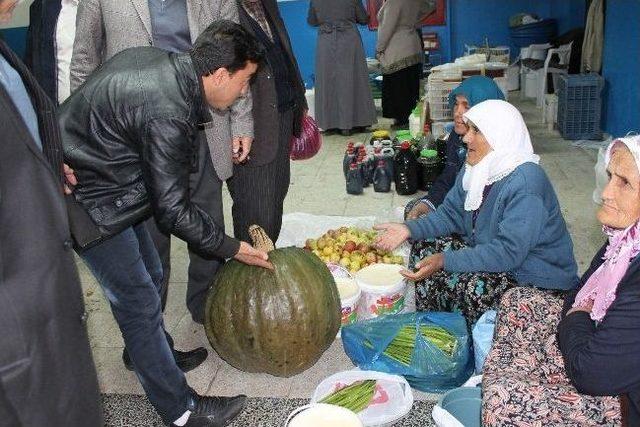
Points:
[(405, 145), (381, 163), (429, 153), (353, 166)]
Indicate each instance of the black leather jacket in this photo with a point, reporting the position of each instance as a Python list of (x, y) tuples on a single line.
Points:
[(130, 133)]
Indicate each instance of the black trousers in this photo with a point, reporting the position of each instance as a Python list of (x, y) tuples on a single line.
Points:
[(206, 193), (258, 192), (400, 92)]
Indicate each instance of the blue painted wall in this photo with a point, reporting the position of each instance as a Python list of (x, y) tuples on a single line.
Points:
[(467, 22), (621, 67)]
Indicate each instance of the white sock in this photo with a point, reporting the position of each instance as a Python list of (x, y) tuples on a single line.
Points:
[(183, 419)]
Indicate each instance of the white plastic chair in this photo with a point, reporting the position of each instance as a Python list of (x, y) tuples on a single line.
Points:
[(534, 51), (564, 53)]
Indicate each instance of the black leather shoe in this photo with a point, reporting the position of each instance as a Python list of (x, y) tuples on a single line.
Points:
[(213, 411), (186, 360)]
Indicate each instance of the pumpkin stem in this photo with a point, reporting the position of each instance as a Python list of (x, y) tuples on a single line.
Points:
[(261, 240)]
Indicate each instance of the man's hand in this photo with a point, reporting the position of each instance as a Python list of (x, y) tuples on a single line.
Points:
[(426, 267), (393, 235), (249, 255), (70, 179), (418, 210), (241, 148), (586, 308)]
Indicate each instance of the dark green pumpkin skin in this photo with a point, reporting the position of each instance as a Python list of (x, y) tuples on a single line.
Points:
[(279, 322)]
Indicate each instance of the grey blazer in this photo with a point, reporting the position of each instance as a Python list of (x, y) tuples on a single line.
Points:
[(107, 27)]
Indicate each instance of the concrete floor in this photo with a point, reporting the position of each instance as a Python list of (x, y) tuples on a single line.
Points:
[(317, 187)]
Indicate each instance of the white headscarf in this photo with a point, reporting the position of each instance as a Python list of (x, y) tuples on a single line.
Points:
[(502, 125)]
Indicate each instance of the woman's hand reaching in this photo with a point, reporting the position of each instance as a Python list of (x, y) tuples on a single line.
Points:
[(392, 236)]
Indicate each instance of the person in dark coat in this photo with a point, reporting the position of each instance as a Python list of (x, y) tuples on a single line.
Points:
[(342, 93), (40, 55), (47, 375), (279, 106), (131, 133)]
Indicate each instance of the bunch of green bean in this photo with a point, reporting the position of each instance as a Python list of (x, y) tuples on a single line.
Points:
[(402, 346), (355, 397)]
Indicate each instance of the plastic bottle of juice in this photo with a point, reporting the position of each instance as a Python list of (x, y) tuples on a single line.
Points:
[(354, 180), (406, 170), (381, 178)]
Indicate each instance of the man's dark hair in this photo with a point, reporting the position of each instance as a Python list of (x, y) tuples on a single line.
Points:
[(224, 44)]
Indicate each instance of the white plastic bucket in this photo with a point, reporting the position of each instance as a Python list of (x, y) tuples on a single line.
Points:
[(383, 290), (350, 294), (322, 415)]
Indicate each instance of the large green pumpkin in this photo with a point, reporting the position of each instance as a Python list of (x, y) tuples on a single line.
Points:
[(275, 321)]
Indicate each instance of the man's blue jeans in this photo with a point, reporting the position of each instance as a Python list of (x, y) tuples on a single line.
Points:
[(128, 269)]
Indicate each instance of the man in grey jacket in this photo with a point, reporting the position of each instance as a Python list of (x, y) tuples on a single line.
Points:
[(107, 27)]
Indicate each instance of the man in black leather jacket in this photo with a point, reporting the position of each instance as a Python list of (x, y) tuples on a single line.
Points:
[(130, 133)]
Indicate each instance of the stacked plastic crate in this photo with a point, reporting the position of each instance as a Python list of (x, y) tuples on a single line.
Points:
[(438, 91), (580, 105)]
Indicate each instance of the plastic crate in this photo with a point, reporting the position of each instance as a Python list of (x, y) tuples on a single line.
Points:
[(580, 106), (440, 110)]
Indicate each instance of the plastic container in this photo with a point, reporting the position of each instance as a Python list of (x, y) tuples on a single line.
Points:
[(387, 154), (354, 180), (465, 404), (383, 290), (392, 400), (402, 135), (428, 169), (438, 129), (321, 414), (441, 146), (381, 178), (380, 134), (414, 121), (350, 294), (580, 106), (349, 156), (405, 170), (534, 33)]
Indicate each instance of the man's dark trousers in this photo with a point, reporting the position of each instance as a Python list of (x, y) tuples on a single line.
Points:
[(128, 269)]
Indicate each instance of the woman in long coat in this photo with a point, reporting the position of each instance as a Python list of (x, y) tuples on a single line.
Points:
[(343, 98), (400, 52)]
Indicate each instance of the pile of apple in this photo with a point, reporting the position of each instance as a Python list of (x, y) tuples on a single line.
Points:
[(350, 247)]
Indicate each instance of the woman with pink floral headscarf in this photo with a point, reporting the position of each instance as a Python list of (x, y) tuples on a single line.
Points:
[(590, 374)]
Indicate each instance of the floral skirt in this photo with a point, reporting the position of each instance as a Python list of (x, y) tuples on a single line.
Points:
[(468, 293), (524, 382)]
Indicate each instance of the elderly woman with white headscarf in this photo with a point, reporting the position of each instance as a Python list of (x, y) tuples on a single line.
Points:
[(506, 214), (584, 370)]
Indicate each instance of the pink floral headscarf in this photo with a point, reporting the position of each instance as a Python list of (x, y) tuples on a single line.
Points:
[(623, 247)]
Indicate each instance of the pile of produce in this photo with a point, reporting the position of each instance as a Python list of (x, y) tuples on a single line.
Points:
[(355, 397), (402, 346), (350, 247)]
